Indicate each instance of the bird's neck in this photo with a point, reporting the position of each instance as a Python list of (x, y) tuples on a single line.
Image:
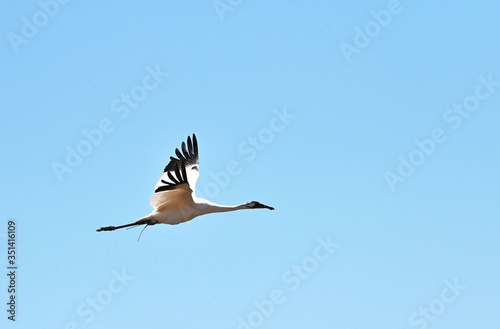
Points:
[(209, 207)]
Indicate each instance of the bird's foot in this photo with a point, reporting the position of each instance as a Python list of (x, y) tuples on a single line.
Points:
[(107, 228)]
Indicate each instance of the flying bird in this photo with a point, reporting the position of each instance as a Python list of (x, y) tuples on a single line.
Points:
[(174, 200)]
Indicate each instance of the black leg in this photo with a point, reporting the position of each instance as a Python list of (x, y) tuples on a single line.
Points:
[(142, 222)]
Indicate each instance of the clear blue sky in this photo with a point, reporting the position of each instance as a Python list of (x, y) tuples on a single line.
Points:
[(371, 127)]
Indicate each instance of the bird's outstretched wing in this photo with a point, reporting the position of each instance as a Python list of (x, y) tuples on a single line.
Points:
[(179, 177)]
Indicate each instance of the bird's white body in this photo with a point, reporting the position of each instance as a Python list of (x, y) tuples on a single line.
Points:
[(179, 213), (174, 200)]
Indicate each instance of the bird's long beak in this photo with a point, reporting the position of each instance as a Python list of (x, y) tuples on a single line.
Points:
[(261, 205)]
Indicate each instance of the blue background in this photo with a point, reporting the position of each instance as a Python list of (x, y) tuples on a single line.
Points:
[(353, 118)]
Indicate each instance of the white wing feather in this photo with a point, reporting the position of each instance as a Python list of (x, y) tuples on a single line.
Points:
[(178, 181)]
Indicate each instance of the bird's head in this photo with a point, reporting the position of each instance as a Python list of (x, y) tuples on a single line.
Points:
[(256, 205)]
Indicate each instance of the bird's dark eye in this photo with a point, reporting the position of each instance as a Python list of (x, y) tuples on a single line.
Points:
[(195, 168)]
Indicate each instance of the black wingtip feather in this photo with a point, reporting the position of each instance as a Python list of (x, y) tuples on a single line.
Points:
[(184, 173), (179, 154), (172, 178), (190, 145), (189, 154), (195, 146), (185, 151)]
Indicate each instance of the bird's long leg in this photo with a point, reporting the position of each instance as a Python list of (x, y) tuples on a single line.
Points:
[(139, 222)]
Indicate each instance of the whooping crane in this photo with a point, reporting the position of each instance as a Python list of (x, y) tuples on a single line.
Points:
[(174, 199)]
